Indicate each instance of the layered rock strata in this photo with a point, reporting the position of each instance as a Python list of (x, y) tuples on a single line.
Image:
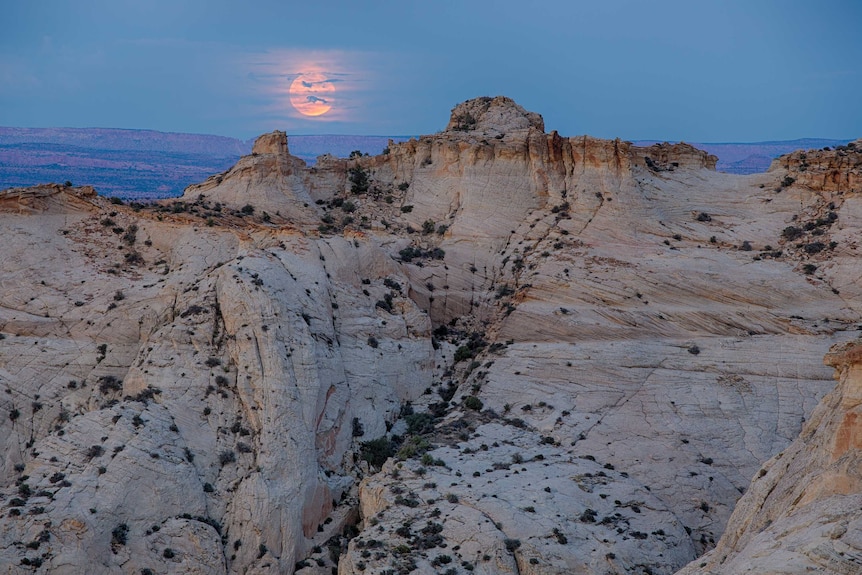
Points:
[(492, 349)]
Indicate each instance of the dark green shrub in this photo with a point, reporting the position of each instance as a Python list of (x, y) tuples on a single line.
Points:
[(358, 180), (511, 544), (814, 247), (376, 451), (473, 402), (119, 535), (791, 233)]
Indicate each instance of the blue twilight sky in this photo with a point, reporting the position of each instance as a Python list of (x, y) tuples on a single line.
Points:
[(707, 71)]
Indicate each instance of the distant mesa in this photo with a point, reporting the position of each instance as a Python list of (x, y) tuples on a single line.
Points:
[(146, 165)]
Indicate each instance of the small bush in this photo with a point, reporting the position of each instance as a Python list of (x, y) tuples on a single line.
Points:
[(473, 402), (791, 233), (511, 544), (95, 451), (462, 353), (359, 181), (227, 456), (120, 534), (814, 248), (247, 209), (377, 451)]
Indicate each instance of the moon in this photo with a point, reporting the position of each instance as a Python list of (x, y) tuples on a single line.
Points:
[(311, 94)]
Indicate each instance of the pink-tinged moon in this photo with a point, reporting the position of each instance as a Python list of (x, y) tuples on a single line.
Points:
[(311, 94)]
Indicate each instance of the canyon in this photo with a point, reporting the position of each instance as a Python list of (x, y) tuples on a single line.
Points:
[(492, 350)]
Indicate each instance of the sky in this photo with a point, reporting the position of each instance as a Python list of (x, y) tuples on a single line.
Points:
[(699, 71)]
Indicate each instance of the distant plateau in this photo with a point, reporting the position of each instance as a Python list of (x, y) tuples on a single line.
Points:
[(146, 164)]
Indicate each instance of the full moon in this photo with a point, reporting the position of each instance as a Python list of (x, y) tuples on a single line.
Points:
[(311, 94)]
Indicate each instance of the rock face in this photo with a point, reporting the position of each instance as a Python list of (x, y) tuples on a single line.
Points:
[(801, 514), (493, 117), (493, 349)]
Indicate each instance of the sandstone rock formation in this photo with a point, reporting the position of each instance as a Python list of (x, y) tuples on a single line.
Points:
[(578, 352), (801, 514)]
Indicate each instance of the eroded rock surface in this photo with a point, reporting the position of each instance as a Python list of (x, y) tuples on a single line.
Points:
[(492, 349), (801, 514)]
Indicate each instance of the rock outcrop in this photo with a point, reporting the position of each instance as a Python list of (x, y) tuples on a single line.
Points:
[(492, 349), (801, 513)]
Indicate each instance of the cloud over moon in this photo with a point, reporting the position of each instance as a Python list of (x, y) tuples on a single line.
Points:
[(332, 84)]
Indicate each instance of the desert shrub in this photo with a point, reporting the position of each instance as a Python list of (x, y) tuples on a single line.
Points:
[(473, 402), (109, 383), (814, 247), (503, 291), (463, 352), (247, 209), (358, 428), (511, 544), (385, 303), (419, 423), (377, 451), (359, 181), (120, 534), (227, 456), (791, 233), (131, 235)]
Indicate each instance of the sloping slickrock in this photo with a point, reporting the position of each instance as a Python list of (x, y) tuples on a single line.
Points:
[(493, 348)]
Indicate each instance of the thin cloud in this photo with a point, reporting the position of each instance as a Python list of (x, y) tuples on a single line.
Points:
[(347, 73)]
